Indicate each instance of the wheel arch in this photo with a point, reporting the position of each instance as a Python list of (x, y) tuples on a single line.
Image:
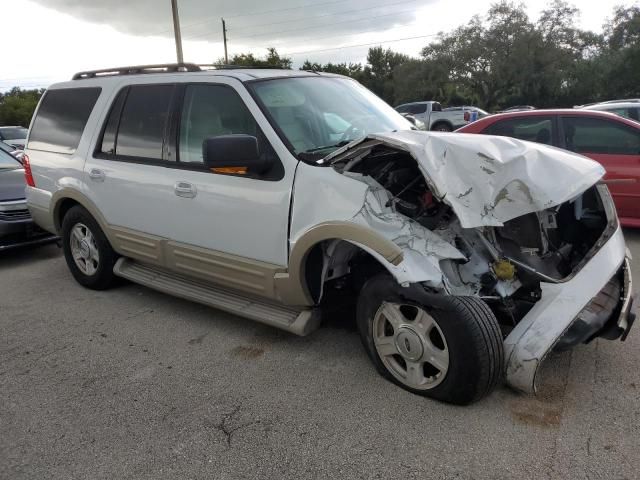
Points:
[(295, 286), (63, 200)]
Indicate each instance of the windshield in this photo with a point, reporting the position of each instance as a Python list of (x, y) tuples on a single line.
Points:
[(13, 133), (317, 115)]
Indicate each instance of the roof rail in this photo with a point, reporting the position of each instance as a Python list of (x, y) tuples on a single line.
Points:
[(137, 69)]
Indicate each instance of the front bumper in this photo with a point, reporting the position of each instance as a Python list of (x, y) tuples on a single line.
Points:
[(561, 305)]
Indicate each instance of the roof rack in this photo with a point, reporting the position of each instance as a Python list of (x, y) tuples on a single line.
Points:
[(137, 69), (159, 68)]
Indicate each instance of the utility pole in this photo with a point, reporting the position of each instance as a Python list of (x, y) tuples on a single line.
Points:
[(224, 37), (176, 30)]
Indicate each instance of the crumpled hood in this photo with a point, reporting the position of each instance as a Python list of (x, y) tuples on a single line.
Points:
[(488, 180)]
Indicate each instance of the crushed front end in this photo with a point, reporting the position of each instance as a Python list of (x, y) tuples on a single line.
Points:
[(529, 229)]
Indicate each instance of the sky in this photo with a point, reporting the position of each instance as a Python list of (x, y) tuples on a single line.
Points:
[(61, 37)]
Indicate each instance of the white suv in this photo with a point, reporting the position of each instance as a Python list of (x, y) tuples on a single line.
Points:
[(266, 192)]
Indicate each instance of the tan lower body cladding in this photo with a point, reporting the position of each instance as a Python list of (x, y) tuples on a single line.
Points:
[(246, 275)]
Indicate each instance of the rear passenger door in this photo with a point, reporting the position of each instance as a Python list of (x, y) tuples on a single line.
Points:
[(148, 177), (616, 145)]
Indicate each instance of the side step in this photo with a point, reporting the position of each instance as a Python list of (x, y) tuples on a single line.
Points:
[(297, 321)]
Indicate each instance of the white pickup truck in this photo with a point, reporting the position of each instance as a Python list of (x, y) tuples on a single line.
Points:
[(436, 118)]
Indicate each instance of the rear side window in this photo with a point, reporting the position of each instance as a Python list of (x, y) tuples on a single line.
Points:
[(417, 108), (143, 121), (61, 119), (596, 135), (534, 129)]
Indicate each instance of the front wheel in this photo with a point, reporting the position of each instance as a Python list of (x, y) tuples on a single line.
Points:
[(445, 347)]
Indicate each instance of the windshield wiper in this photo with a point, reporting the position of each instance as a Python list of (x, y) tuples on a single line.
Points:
[(326, 147)]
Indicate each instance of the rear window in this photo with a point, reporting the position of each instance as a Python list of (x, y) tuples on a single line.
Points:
[(13, 133), (61, 119), (8, 161)]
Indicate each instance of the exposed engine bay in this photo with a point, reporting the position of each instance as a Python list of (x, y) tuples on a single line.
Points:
[(504, 265)]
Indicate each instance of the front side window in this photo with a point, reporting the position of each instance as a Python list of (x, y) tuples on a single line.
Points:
[(211, 111), (603, 136), (317, 115), (61, 119), (534, 129), (143, 121)]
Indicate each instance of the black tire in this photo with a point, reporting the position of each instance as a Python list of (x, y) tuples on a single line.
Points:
[(103, 276), (469, 327), (442, 127)]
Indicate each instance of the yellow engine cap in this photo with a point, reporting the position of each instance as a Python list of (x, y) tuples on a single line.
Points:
[(504, 269)]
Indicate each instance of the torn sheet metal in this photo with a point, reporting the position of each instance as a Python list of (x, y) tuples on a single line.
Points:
[(489, 180), (535, 335), (330, 196)]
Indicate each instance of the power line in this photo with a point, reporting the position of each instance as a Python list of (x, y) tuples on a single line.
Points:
[(334, 14), (361, 44), (357, 32), (325, 25), (265, 12)]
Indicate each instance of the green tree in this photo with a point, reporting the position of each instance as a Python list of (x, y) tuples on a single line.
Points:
[(622, 36), (17, 106), (272, 60)]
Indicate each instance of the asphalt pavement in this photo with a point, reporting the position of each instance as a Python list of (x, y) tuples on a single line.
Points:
[(131, 383)]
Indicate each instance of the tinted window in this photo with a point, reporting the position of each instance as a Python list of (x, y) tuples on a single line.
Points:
[(143, 121), (595, 135), (61, 119), (110, 130), (534, 129), (436, 107), (417, 108), (403, 109), (13, 133)]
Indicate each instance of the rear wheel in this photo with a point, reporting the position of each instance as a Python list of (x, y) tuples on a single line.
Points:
[(444, 347), (87, 251)]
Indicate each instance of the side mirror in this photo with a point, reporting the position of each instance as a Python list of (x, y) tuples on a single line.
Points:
[(237, 152)]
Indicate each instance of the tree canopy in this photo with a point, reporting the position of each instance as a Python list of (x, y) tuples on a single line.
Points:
[(494, 61), (17, 106), (503, 59)]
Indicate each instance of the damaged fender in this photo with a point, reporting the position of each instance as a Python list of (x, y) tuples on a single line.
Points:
[(356, 200)]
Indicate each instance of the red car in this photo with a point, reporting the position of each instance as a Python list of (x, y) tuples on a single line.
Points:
[(607, 138)]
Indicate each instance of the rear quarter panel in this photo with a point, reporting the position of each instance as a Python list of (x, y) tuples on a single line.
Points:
[(54, 171)]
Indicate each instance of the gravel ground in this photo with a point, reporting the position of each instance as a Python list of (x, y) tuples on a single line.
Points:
[(131, 383)]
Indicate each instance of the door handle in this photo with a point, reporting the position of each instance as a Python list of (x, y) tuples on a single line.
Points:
[(185, 189), (96, 175)]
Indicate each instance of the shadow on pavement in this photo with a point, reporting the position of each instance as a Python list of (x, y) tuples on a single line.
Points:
[(22, 255)]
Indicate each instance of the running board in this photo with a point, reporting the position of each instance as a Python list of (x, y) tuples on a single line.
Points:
[(297, 321)]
